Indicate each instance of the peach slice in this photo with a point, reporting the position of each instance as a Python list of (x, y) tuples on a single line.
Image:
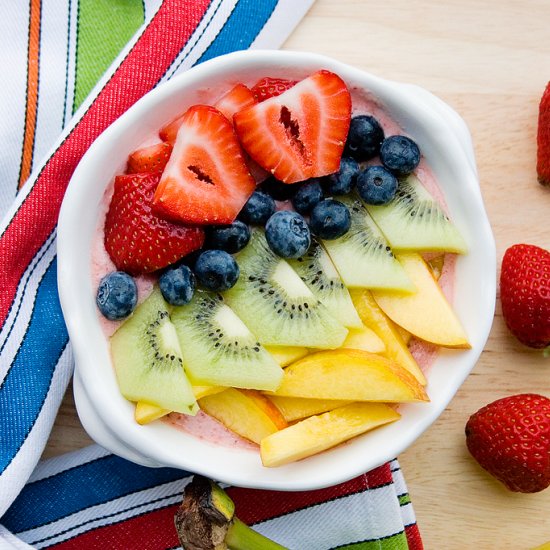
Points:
[(145, 412), (318, 433), (364, 338), (248, 413), (267, 407), (387, 331), (427, 314), (284, 355), (202, 391), (350, 374), (296, 408)]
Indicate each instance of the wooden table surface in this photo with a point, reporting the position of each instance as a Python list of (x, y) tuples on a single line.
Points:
[(490, 60)]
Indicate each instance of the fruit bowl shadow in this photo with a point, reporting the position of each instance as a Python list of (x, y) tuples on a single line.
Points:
[(109, 418)]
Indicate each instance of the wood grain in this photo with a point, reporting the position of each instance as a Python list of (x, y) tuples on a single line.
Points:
[(490, 60)]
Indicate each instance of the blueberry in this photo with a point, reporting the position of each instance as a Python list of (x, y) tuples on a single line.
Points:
[(330, 219), (278, 190), (257, 209), (364, 138), (307, 196), (400, 154), (231, 238), (376, 185), (287, 234), (216, 270), (116, 295), (343, 181), (177, 285)]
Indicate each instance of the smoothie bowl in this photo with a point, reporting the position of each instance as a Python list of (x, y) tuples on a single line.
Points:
[(310, 347)]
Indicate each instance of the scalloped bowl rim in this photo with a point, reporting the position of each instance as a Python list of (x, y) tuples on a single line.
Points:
[(108, 417)]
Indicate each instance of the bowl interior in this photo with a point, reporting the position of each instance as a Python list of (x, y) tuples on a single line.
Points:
[(446, 146)]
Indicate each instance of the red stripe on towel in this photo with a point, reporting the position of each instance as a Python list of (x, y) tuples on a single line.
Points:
[(254, 506), (155, 530)]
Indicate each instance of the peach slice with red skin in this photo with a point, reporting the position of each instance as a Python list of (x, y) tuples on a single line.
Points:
[(248, 413), (350, 374)]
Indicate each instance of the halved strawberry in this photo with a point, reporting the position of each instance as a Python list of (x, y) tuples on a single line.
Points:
[(237, 99), (149, 159), (137, 240), (206, 180), (299, 134), (271, 87), (169, 132)]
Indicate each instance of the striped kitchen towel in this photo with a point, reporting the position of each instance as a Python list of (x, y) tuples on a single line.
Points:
[(68, 69), (104, 502)]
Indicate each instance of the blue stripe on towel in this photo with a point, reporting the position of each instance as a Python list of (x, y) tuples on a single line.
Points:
[(86, 485), (242, 27), (24, 389)]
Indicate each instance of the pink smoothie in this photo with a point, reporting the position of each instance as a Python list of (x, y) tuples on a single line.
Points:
[(207, 428), (202, 425), (102, 265)]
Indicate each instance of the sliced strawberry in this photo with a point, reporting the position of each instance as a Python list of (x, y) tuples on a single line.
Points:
[(137, 240), (169, 132), (151, 159), (206, 180), (237, 99), (271, 87), (299, 134)]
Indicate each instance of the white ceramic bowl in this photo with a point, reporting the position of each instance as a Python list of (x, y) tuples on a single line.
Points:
[(109, 419)]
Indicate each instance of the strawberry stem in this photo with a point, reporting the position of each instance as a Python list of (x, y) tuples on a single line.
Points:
[(546, 352)]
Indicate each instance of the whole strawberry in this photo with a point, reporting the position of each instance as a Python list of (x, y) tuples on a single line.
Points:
[(525, 294), (137, 240), (543, 138), (510, 438)]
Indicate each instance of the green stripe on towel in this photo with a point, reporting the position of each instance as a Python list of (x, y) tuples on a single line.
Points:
[(393, 542), (404, 499), (104, 28)]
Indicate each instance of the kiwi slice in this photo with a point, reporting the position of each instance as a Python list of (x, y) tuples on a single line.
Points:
[(317, 271), (362, 256), (276, 304), (218, 349), (414, 220), (147, 359)]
